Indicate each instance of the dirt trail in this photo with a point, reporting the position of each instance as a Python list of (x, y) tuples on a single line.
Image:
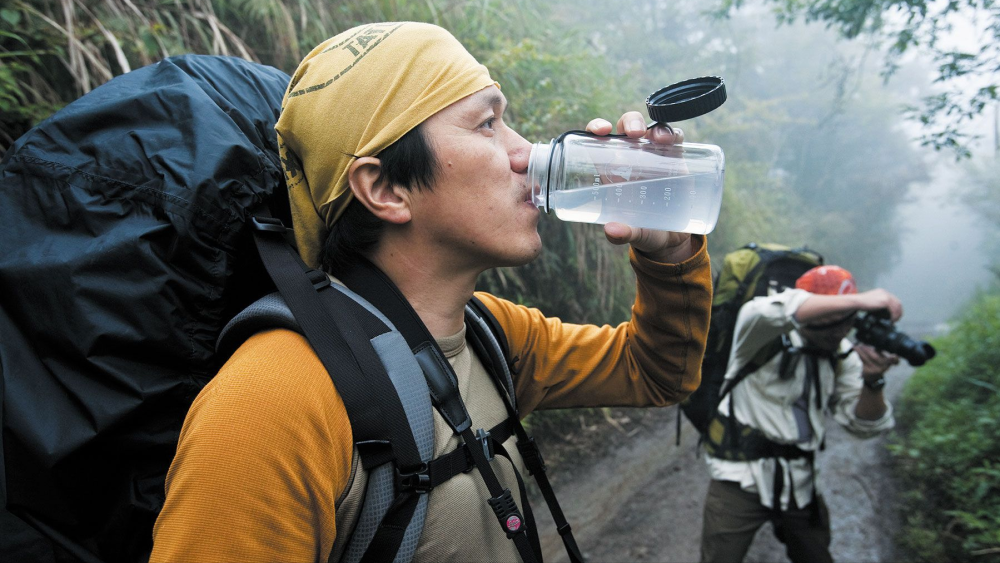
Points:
[(643, 501)]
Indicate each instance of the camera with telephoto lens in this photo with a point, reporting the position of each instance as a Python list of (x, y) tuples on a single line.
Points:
[(876, 329)]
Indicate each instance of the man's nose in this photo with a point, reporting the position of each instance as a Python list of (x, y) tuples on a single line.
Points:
[(519, 151)]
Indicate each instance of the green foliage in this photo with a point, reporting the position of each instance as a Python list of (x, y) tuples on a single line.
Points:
[(902, 25), (551, 77), (814, 154), (982, 195), (800, 155), (948, 454), (28, 90)]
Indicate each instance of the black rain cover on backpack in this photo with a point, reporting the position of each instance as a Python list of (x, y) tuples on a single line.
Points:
[(749, 272), (123, 253)]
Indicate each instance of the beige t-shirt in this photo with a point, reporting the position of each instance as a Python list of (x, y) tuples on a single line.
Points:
[(266, 449)]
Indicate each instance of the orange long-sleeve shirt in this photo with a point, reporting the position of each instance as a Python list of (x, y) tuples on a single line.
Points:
[(266, 449)]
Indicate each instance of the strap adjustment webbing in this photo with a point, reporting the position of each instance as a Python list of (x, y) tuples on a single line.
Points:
[(531, 455), (455, 462)]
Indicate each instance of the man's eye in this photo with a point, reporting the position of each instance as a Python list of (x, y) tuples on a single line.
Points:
[(489, 123)]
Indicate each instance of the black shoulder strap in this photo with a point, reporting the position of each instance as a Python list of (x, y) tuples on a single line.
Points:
[(479, 319), (372, 284), (764, 355), (338, 334)]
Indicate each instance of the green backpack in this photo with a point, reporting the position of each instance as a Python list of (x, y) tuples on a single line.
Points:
[(752, 271)]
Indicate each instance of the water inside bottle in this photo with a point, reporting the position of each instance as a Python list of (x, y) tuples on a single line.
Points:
[(687, 204)]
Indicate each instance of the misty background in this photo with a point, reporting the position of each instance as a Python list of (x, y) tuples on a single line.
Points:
[(824, 148), (819, 148)]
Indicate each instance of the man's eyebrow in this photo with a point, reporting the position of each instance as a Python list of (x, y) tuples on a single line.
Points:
[(495, 99)]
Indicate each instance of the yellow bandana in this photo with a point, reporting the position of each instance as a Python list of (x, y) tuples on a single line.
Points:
[(354, 95)]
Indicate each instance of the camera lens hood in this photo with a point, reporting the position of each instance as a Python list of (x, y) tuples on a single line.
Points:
[(685, 100)]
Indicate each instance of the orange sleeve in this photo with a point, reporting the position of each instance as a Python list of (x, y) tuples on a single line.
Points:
[(263, 456), (654, 359)]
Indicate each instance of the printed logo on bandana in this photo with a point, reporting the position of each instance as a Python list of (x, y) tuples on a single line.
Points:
[(357, 46), (513, 523)]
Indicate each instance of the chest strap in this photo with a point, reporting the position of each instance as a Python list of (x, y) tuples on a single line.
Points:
[(478, 315), (372, 284), (458, 461)]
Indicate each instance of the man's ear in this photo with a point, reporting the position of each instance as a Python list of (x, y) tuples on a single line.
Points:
[(385, 200)]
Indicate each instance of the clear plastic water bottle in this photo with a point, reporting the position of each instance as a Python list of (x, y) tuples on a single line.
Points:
[(599, 179), (592, 179)]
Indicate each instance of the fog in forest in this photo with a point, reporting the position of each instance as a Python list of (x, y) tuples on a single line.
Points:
[(946, 246), (819, 152), (942, 258)]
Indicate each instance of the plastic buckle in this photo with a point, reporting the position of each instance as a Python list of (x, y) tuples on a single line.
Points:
[(271, 224), (483, 437), (532, 455), (318, 279), (507, 513), (418, 480)]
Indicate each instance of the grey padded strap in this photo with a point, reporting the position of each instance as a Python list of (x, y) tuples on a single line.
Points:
[(485, 329), (271, 312), (266, 313), (408, 379)]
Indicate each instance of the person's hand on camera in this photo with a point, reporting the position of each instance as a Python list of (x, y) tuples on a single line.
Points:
[(874, 362), (659, 246), (877, 299)]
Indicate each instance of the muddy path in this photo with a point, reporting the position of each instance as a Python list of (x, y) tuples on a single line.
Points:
[(642, 500)]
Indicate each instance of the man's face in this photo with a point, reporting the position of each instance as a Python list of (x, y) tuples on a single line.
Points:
[(827, 333), (479, 211)]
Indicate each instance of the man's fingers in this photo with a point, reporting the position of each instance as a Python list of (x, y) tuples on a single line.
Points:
[(632, 124), (599, 126), (619, 233), (896, 310), (867, 353), (877, 360), (664, 135), (660, 134)]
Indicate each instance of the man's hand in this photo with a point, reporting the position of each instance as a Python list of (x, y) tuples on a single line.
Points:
[(877, 299), (875, 362), (821, 309), (659, 246), (871, 405)]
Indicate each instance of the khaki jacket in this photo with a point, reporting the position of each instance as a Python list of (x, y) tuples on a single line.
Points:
[(765, 401)]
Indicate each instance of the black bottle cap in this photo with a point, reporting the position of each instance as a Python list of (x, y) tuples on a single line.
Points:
[(687, 99)]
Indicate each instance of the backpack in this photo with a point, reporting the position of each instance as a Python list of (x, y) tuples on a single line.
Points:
[(123, 226), (752, 271), (141, 223)]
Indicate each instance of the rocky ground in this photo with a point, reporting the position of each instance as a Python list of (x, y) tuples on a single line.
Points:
[(641, 500)]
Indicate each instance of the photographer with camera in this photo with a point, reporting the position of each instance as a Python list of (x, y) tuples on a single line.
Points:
[(790, 365)]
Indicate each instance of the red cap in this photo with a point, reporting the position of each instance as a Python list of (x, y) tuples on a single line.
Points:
[(827, 280)]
